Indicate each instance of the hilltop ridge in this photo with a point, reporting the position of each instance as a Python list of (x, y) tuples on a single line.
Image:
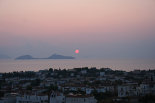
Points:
[(54, 56)]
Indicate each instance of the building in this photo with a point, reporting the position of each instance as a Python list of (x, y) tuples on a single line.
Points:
[(32, 99), (9, 98), (128, 90), (80, 99), (83, 71), (144, 89), (123, 91), (102, 74), (57, 97), (1, 77), (89, 90)]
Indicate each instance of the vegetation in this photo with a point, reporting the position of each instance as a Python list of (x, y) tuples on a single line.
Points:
[(36, 82), (102, 96), (29, 88), (19, 74), (150, 98)]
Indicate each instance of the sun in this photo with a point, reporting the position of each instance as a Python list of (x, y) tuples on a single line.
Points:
[(77, 51)]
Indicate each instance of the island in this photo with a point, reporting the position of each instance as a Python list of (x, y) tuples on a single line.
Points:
[(57, 56), (54, 56), (24, 57)]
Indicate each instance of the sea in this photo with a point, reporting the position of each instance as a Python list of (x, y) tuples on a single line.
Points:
[(36, 65)]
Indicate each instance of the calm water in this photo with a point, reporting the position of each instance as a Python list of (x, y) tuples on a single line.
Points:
[(29, 65)]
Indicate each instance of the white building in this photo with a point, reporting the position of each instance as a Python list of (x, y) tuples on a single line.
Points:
[(32, 99), (72, 88), (26, 84), (101, 89), (0, 75), (83, 71), (72, 74), (144, 89), (102, 74), (123, 91), (105, 88), (128, 90), (9, 98), (80, 99), (56, 97), (89, 90)]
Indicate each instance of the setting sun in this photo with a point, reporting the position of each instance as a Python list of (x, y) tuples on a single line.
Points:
[(76, 51)]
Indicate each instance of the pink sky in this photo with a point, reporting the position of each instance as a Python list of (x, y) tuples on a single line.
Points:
[(76, 22)]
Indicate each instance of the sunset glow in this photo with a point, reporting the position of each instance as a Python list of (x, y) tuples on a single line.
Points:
[(104, 27)]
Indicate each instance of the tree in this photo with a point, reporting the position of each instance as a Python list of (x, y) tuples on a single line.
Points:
[(51, 70), (36, 82), (1, 94), (29, 87), (149, 98)]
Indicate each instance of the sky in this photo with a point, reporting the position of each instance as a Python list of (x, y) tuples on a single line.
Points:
[(98, 28)]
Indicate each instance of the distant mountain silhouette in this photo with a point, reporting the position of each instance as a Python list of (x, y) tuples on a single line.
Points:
[(24, 57), (57, 56), (3, 56), (54, 56)]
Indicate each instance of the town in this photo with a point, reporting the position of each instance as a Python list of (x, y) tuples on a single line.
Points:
[(78, 85)]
